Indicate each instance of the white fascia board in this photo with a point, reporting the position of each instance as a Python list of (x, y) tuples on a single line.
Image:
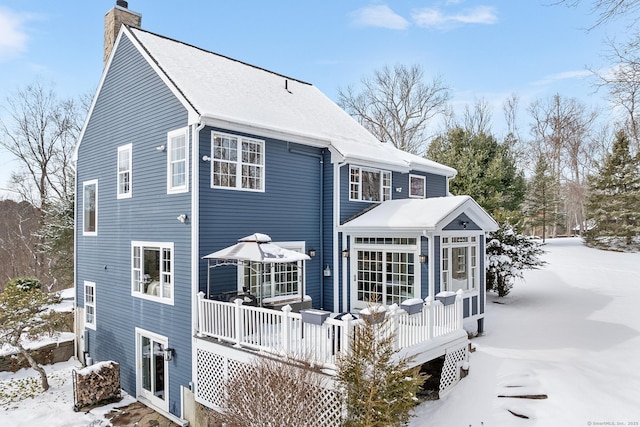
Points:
[(385, 231), (475, 212), (233, 124), (434, 170), (377, 164)]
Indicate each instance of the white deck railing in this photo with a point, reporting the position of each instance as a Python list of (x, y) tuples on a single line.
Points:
[(284, 333)]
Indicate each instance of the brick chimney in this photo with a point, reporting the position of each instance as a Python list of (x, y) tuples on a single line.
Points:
[(113, 20)]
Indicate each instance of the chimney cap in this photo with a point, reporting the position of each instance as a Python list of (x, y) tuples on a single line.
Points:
[(122, 3)]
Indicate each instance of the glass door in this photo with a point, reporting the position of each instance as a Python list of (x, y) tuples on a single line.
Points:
[(152, 369)]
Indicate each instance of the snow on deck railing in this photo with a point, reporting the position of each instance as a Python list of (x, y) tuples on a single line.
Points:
[(284, 333)]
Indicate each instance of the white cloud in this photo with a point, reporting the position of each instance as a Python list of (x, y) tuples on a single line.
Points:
[(436, 18), (378, 16), (13, 37), (565, 75)]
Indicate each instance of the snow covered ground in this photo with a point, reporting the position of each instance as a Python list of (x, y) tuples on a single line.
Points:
[(571, 331)]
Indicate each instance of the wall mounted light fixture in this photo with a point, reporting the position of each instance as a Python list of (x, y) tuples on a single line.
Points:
[(464, 224), (311, 253), (327, 271), (161, 147), (345, 253), (168, 354), (423, 258), (182, 218), (206, 158)]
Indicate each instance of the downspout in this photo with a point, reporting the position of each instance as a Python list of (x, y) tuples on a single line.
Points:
[(321, 157), (195, 224)]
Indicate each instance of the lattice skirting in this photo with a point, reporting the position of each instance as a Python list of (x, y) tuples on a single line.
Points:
[(454, 358), (214, 369)]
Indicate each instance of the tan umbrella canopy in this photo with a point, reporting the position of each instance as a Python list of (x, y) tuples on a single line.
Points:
[(256, 247)]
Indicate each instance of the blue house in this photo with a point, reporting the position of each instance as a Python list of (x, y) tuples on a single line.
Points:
[(183, 153)]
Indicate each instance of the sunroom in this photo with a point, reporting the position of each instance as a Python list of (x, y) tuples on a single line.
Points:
[(415, 248)]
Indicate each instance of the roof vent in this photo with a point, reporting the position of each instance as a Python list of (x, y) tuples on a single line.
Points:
[(122, 3)]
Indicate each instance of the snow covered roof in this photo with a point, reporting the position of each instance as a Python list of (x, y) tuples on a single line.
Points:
[(228, 93), (430, 214), (257, 247)]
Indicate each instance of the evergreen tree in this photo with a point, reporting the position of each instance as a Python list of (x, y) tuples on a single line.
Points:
[(542, 202), (379, 390), (486, 169), (24, 313), (613, 204), (509, 254)]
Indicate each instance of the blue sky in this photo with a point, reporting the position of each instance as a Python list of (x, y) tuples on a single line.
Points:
[(486, 49)]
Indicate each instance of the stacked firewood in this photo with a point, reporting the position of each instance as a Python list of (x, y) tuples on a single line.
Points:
[(96, 383)]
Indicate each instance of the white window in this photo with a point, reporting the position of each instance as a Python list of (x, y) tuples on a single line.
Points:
[(90, 208), (152, 271), (385, 270), (278, 279), (90, 305), (369, 185), (124, 171), (177, 161), (417, 186), (238, 162), (459, 269)]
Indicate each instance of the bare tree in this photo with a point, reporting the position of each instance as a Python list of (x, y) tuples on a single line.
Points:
[(561, 130), (397, 106), (479, 120), (18, 242), (606, 10), (40, 131), (271, 392), (622, 80)]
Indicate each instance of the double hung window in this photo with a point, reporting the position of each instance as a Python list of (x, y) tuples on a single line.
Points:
[(238, 163), (459, 260), (124, 171), (369, 185), (152, 270), (90, 305), (177, 161)]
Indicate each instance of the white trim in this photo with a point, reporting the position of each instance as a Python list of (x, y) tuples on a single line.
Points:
[(413, 249), (84, 185), (127, 195), (382, 173), (468, 244), (172, 275), (239, 163), (424, 186), (336, 254), (162, 404), (184, 132), (87, 324)]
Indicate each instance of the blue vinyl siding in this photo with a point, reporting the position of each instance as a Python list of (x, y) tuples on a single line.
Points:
[(288, 209), (436, 187), (134, 106), (456, 224), (424, 268)]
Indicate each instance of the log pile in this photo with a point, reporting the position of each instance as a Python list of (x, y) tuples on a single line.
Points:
[(96, 384)]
